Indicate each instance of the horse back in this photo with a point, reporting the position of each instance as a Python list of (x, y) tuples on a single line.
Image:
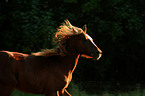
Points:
[(8, 63)]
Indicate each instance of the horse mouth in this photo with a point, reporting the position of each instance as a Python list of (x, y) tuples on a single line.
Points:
[(100, 54), (92, 56)]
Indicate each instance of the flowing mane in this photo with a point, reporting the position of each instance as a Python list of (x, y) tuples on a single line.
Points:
[(47, 52), (63, 31), (66, 29)]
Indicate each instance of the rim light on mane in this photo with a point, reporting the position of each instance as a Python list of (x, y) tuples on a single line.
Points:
[(66, 29), (47, 52)]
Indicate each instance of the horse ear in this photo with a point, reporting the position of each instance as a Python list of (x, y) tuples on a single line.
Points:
[(85, 28)]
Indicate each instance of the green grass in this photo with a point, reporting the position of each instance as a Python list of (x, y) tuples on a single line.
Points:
[(75, 91), (19, 93)]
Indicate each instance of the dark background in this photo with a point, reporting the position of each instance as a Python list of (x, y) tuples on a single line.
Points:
[(117, 27)]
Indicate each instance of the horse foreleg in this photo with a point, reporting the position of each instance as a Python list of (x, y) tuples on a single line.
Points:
[(64, 93)]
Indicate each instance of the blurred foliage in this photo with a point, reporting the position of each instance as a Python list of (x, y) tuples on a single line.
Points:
[(117, 27), (31, 27)]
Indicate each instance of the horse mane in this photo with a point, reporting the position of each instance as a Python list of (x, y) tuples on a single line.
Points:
[(47, 52), (50, 52), (63, 31)]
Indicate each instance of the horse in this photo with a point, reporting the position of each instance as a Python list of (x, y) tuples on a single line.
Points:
[(49, 71)]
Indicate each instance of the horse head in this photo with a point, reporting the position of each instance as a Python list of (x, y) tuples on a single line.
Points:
[(74, 40), (83, 44)]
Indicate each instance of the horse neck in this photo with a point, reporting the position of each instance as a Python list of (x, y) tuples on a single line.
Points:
[(71, 57), (72, 61)]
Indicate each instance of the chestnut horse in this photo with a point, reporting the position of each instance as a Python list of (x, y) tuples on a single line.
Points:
[(50, 71)]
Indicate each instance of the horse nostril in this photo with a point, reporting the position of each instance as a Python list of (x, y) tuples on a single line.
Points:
[(100, 52)]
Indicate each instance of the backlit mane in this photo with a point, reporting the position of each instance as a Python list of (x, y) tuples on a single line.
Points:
[(47, 52), (64, 30)]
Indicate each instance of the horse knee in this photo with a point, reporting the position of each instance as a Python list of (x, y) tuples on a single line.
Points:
[(64, 93)]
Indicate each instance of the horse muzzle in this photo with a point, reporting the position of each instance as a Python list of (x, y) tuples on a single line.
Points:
[(98, 56)]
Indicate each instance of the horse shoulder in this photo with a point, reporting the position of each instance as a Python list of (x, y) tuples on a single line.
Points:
[(6, 70)]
